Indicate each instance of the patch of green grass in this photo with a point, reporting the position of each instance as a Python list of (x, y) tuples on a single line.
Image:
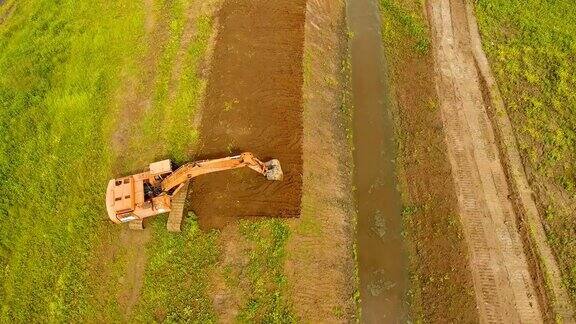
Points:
[(59, 68), (179, 265), (168, 126), (563, 241), (178, 273), (404, 21), (190, 87), (440, 285), (309, 224), (532, 48), (267, 300)]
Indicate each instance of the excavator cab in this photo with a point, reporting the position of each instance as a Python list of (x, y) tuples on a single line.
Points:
[(137, 196), (121, 195), (159, 170)]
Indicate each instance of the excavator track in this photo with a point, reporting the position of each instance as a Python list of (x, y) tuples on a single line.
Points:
[(136, 225), (177, 209)]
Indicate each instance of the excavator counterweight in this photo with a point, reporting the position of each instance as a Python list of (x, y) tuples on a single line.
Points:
[(160, 190)]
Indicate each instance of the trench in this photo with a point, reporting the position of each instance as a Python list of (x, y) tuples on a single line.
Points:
[(382, 260)]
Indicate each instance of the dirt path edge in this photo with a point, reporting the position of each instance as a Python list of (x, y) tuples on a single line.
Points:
[(555, 292), (320, 264)]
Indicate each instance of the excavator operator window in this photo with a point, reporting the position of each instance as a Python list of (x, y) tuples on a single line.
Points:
[(127, 180), (148, 191)]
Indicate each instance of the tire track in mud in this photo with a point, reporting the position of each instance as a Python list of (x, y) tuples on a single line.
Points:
[(253, 103), (504, 288)]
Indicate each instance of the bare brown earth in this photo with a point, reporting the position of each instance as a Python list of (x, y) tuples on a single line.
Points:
[(253, 103), (320, 264), (259, 70), (441, 287), (487, 198)]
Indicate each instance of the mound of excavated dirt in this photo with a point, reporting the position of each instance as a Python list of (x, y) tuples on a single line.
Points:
[(253, 103)]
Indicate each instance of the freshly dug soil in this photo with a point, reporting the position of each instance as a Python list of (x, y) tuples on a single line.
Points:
[(253, 103)]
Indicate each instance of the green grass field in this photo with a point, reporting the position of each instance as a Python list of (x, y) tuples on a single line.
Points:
[(59, 66), (62, 66), (531, 45)]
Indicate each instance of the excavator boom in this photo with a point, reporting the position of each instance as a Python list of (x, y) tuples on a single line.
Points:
[(194, 169), (136, 197)]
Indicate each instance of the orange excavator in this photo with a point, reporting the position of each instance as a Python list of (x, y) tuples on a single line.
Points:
[(160, 190)]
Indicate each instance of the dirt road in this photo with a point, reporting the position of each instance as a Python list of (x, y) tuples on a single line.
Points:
[(253, 103), (504, 288)]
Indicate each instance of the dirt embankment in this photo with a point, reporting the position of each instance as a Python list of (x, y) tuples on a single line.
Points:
[(320, 264), (441, 288), (545, 269), (491, 200), (253, 103)]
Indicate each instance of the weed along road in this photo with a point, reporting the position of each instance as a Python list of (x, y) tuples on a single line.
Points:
[(381, 255)]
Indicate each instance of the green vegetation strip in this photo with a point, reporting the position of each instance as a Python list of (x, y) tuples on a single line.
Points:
[(410, 23), (267, 301), (168, 127), (178, 275), (178, 268), (531, 45), (440, 287), (59, 69)]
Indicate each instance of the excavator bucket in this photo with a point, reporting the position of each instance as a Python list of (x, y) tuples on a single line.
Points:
[(273, 170)]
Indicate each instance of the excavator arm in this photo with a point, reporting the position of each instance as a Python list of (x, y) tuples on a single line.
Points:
[(159, 190), (271, 169)]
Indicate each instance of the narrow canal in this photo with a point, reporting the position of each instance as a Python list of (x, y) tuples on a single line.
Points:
[(381, 253)]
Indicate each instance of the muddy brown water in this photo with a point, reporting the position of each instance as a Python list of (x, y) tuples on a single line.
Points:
[(381, 254)]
